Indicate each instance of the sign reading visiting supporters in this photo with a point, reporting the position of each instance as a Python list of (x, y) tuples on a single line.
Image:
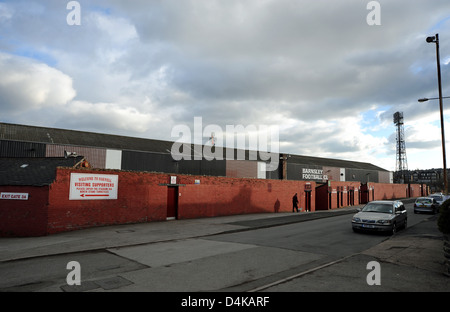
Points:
[(91, 186)]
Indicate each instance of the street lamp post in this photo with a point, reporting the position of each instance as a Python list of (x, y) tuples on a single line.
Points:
[(428, 99), (435, 39)]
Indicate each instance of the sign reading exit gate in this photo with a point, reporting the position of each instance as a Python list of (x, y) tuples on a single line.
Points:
[(14, 196), (89, 186)]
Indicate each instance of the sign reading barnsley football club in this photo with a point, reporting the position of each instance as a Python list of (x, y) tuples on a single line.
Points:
[(90, 186), (313, 174)]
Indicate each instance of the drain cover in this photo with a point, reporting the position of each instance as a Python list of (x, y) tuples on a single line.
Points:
[(113, 282), (125, 231)]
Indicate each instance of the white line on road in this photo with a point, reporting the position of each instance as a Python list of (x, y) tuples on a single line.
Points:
[(289, 278)]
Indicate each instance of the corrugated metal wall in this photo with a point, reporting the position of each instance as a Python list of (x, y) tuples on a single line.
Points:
[(275, 174), (242, 169), (362, 176), (159, 162), (163, 162), (385, 177), (143, 161), (21, 149), (295, 171), (95, 156), (139, 154)]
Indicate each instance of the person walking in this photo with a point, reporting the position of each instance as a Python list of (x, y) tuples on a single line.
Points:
[(295, 203)]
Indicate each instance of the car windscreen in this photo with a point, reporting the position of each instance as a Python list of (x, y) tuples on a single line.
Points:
[(378, 207), (423, 200)]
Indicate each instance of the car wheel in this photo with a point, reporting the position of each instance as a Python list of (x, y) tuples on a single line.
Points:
[(394, 229), (405, 224)]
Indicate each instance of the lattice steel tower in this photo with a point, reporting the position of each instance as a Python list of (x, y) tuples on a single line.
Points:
[(401, 166)]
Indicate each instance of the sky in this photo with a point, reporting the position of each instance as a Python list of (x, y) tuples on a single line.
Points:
[(318, 70)]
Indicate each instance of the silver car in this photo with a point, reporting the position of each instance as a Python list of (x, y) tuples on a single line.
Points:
[(438, 197), (381, 216), (426, 204)]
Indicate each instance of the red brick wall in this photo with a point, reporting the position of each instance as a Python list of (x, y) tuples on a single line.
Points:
[(24, 217), (217, 196), (388, 191), (417, 190), (143, 197), (382, 191), (140, 199), (339, 190)]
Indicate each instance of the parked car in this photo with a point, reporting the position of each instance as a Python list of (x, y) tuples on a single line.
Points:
[(438, 197), (426, 204), (381, 216), (444, 198)]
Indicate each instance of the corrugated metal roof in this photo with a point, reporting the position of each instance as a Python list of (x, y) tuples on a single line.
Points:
[(329, 162), (15, 132), (96, 156), (24, 133)]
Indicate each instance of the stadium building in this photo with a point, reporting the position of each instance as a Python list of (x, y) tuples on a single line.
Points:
[(105, 151), (56, 180)]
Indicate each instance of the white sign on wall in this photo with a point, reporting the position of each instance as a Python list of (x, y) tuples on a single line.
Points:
[(91, 186), (14, 196)]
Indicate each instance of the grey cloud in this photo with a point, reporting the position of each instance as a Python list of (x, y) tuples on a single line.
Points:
[(240, 62), (426, 145)]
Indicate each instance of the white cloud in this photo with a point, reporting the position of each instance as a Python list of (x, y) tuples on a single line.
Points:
[(109, 115), (118, 30), (26, 84), (6, 12)]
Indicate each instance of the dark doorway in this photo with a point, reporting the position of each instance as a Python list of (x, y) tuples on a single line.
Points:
[(308, 200), (329, 197), (351, 197), (172, 202)]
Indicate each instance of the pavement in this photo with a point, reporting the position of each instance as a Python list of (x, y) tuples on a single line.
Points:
[(418, 248)]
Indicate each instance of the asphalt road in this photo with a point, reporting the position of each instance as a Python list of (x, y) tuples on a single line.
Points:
[(328, 241), (280, 258)]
